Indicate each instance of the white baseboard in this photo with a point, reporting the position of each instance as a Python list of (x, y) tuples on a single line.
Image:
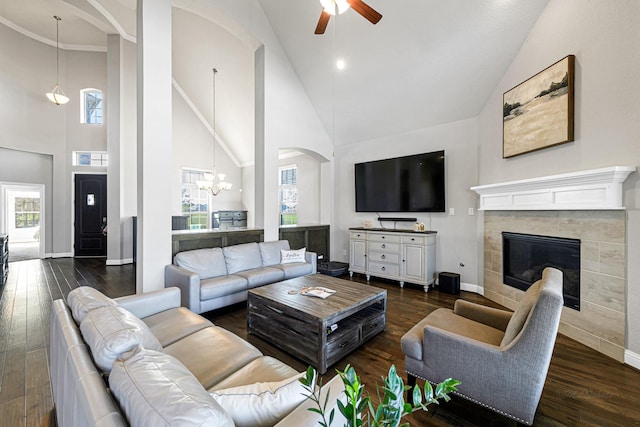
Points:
[(59, 255), (471, 287), (632, 359), (119, 261)]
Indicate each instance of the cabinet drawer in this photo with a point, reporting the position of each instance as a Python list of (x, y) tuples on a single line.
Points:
[(392, 258), (226, 214), (343, 345), (378, 269), (357, 235), (417, 240), (374, 325), (384, 247), (239, 214), (374, 237)]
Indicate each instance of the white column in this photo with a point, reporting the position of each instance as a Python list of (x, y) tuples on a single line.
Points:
[(154, 143), (114, 255)]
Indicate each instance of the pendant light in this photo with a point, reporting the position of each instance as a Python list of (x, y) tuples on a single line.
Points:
[(56, 95), (214, 182)]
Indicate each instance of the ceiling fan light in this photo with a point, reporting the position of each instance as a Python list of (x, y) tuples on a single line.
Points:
[(57, 96), (330, 6)]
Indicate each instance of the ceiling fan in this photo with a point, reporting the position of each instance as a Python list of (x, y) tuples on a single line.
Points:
[(330, 6)]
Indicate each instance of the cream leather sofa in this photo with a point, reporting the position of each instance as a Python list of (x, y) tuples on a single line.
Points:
[(217, 277), (143, 360)]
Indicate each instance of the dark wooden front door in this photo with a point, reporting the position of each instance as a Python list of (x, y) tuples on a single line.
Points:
[(90, 215)]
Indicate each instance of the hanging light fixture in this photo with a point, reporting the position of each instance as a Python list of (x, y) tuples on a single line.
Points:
[(56, 95), (214, 182)]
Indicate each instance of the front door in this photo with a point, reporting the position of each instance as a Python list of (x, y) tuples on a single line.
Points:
[(90, 215)]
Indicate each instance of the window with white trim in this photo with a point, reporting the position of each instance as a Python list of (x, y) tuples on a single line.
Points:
[(195, 202), (288, 191), (91, 106), (90, 158)]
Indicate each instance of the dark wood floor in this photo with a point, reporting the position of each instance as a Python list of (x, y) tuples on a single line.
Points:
[(583, 387)]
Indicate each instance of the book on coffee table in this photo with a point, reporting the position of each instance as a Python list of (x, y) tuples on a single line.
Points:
[(317, 291)]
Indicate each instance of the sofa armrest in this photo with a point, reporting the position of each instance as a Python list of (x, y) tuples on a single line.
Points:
[(189, 284), (149, 303), (489, 316), (312, 258)]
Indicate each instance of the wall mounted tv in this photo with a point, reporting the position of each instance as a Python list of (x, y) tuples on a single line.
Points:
[(402, 184)]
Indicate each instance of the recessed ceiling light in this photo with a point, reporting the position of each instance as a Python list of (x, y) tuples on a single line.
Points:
[(340, 64)]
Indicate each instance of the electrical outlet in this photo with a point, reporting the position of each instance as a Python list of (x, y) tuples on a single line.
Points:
[(452, 211), (470, 211), (344, 252)]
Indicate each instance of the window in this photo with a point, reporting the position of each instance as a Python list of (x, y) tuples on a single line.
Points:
[(195, 202), (288, 195), (90, 158), (91, 106), (27, 212)]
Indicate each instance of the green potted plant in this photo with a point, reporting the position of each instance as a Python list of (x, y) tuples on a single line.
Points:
[(359, 409)]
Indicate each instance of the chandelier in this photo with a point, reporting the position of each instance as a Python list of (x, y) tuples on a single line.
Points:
[(214, 182), (56, 95)]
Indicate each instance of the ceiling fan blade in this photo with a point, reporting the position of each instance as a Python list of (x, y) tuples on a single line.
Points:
[(322, 22), (365, 10)]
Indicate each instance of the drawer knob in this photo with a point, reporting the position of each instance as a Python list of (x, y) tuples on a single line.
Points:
[(384, 268), (344, 344), (413, 239), (384, 246), (383, 257), (384, 237)]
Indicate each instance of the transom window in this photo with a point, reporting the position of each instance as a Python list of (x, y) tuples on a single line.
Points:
[(288, 190), (91, 106), (90, 158), (195, 202)]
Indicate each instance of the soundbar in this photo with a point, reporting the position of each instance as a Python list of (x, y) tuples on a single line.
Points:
[(394, 219)]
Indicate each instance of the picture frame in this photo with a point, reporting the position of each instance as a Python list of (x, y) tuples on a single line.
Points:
[(538, 113)]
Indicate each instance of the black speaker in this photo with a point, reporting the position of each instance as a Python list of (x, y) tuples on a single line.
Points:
[(449, 283)]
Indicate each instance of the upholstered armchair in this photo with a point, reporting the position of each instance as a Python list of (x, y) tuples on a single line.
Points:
[(501, 358)]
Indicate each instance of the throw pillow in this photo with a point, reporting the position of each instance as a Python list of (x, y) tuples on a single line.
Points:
[(261, 404), (155, 389), (297, 255), (84, 299), (111, 331)]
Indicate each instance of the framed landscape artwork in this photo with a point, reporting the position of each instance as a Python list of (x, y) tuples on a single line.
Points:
[(538, 113)]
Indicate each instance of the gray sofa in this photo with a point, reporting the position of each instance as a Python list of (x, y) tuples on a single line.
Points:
[(218, 277), (142, 360)]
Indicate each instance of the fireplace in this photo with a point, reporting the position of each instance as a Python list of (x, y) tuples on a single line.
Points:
[(525, 256)]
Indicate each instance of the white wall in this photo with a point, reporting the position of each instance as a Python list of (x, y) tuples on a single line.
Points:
[(308, 185), (27, 72), (454, 243), (603, 35)]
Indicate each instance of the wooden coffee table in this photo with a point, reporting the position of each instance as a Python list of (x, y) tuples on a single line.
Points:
[(302, 325)]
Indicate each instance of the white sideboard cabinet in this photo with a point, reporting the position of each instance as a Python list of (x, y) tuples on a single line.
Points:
[(405, 256)]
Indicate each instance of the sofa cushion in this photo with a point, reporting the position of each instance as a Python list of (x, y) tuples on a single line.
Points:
[(262, 404), (262, 276), (242, 257), (222, 286), (112, 330), (262, 369), (270, 251), (172, 325), (521, 313), (155, 389), (296, 269), (206, 354), (206, 262), (297, 255), (84, 299), (444, 318)]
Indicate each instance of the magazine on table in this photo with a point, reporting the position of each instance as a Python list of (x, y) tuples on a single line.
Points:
[(317, 291)]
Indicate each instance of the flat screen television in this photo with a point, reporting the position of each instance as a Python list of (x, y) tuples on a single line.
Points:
[(403, 184)]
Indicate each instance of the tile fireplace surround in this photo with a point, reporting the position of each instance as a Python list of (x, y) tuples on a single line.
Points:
[(586, 206)]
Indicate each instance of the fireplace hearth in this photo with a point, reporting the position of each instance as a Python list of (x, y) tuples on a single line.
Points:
[(525, 256)]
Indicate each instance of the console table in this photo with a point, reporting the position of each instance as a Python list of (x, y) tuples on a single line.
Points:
[(402, 255)]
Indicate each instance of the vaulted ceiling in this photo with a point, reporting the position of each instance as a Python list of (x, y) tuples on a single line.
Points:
[(425, 63)]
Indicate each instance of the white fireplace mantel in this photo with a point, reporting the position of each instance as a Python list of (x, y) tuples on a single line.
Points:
[(585, 190)]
